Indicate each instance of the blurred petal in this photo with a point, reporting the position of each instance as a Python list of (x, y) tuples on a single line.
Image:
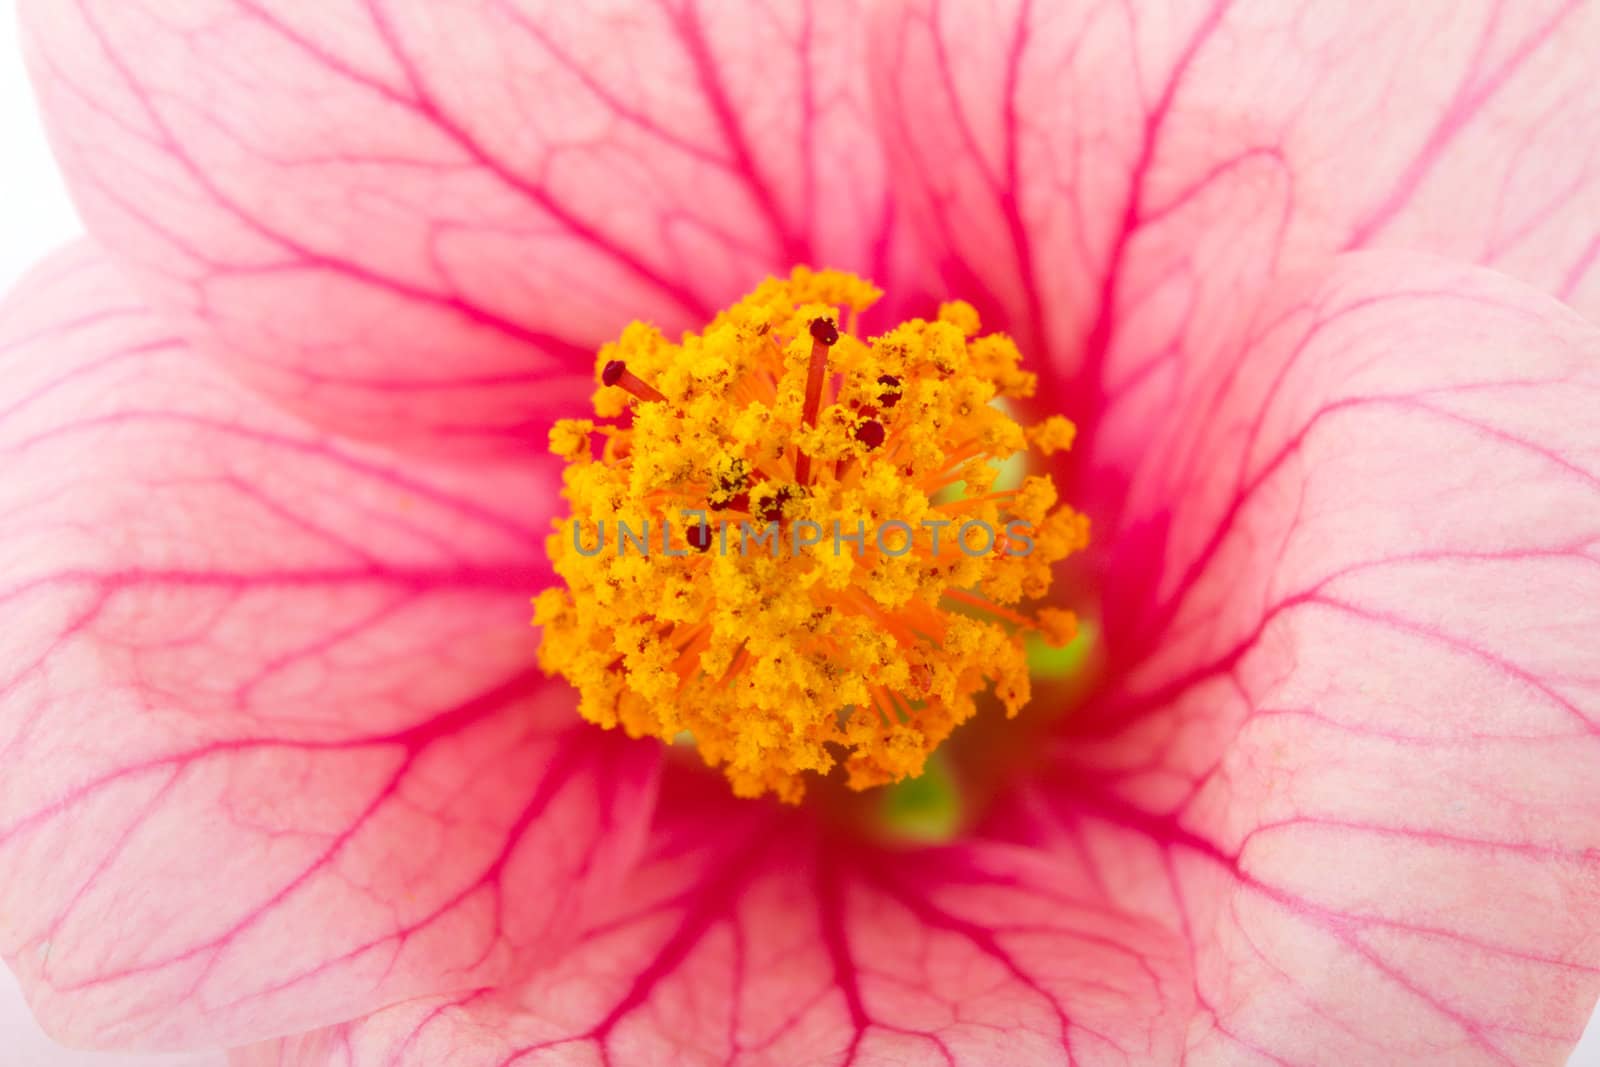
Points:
[(418, 220), (28, 1046), (1350, 746), (274, 750), (1117, 179), (778, 946)]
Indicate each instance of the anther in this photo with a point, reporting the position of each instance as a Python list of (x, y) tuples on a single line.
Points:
[(700, 537), (772, 510), (824, 335), (870, 433), (729, 489), (617, 373), (890, 396)]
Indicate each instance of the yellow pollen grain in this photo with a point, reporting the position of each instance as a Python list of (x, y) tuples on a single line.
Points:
[(1054, 434), (783, 658), (569, 438)]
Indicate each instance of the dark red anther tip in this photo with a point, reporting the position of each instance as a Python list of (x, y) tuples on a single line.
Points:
[(613, 372), (824, 332), (772, 510), (870, 433), (891, 390), (700, 538)]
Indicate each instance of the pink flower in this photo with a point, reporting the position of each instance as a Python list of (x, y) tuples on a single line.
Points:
[(279, 769)]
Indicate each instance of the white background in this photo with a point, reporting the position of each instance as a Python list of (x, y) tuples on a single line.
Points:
[(35, 217)]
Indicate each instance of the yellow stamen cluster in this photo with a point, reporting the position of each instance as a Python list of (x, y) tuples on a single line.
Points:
[(792, 612)]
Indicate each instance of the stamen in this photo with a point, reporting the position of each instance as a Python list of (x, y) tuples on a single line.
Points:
[(849, 636), (729, 485), (824, 335), (617, 373), (890, 395), (870, 433), (772, 509), (961, 596)]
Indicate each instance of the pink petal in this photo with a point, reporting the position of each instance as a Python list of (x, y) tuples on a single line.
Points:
[(1341, 810), (275, 753), (1117, 178), (419, 220), (1353, 744), (777, 945)]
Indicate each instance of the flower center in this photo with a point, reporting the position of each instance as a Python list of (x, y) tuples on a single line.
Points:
[(796, 547)]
